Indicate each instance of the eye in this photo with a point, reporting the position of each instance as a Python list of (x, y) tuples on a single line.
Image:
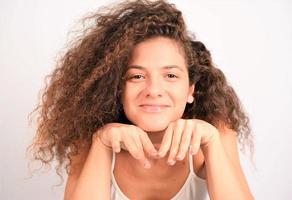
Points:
[(172, 76), (135, 77)]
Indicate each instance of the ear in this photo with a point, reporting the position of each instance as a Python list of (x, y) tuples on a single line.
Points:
[(190, 94)]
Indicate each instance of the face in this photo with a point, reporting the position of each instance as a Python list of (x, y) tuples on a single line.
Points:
[(156, 84)]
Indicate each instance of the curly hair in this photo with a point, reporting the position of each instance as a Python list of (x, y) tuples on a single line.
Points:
[(85, 87)]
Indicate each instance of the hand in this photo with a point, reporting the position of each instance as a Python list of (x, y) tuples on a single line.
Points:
[(128, 137), (186, 134)]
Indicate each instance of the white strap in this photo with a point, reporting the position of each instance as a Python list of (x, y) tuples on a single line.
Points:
[(191, 163), (113, 161)]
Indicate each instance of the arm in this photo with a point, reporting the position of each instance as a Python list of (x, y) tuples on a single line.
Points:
[(91, 180), (225, 178)]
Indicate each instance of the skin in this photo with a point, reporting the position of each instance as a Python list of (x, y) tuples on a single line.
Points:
[(156, 77), (161, 77), (164, 129), (155, 95)]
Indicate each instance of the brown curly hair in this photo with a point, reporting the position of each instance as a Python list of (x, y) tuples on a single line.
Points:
[(84, 91)]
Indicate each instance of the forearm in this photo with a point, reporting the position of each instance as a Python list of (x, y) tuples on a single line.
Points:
[(223, 180), (94, 180)]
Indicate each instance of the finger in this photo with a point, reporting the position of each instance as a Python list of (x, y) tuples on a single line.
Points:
[(147, 144), (116, 141), (196, 139), (132, 146), (166, 141), (137, 142), (142, 159), (185, 140), (178, 129)]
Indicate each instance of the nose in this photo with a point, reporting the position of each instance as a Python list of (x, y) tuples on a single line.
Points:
[(154, 88)]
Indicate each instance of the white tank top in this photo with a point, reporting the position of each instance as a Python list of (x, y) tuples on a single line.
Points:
[(194, 187)]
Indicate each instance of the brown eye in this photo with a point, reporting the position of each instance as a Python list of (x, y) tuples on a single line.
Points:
[(135, 77), (138, 76), (171, 76)]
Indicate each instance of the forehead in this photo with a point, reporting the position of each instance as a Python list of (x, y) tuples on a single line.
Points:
[(158, 52)]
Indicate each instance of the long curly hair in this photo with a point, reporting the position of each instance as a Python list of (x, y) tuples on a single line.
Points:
[(85, 87)]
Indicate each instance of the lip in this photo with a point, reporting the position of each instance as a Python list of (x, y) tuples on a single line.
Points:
[(154, 108)]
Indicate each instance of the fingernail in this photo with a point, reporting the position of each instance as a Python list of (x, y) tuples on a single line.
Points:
[(147, 165), (179, 157), (171, 162)]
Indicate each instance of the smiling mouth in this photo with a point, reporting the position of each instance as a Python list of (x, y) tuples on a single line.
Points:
[(154, 108)]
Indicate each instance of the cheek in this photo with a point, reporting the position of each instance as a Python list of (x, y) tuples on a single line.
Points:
[(129, 93), (180, 94), (128, 97)]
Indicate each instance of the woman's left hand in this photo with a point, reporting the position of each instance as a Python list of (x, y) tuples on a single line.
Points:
[(185, 135)]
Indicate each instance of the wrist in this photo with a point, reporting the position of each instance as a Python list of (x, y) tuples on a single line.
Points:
[(98, 142), (214, 139)]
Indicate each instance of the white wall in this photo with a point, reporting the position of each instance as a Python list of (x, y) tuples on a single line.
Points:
[(251, 41)]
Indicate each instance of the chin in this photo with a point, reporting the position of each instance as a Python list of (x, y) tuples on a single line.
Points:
[(153, 129), (153, 126)]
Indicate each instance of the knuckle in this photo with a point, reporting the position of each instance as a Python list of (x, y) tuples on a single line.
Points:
[(181, 121), (123, 129), (143, 133), (199, 126), (112, 129), (189, 122), (132, 128)]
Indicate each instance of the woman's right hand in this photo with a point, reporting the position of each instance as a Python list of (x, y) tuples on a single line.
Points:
[(128, 137)]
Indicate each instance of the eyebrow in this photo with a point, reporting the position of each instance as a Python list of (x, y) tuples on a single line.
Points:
[(164, 67)]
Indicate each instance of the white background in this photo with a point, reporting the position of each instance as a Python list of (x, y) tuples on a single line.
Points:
[(251, 41)]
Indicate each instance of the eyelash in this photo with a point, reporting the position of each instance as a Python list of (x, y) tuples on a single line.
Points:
[(173, 75), (133, 76)]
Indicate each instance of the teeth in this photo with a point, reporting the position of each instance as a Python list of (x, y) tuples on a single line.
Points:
[(152, 108)]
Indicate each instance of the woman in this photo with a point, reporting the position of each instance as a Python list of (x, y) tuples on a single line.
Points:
[(136, 110)]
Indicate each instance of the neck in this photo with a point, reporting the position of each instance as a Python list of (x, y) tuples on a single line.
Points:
[(156, 137)]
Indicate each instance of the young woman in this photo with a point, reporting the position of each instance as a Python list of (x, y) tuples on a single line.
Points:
[(136, 110)]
